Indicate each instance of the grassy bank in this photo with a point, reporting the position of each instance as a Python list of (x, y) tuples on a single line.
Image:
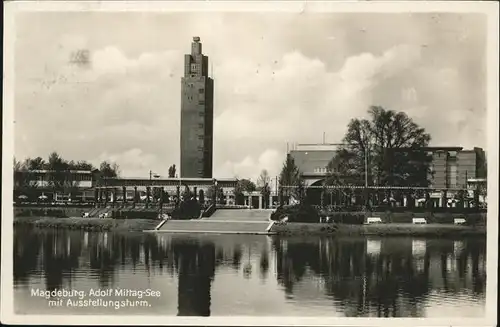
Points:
[(393, 229), (59, 212), (93, 224)]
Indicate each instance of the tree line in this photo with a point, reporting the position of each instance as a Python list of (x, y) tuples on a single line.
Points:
[(59, 171)]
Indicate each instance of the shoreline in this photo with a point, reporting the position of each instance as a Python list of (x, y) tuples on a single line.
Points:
[(88, 224), (390, 229), (289, 229)]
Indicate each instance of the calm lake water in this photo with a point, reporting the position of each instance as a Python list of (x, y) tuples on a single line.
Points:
[(248, 275)]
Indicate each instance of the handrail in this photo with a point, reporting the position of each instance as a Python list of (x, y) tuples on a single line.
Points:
[(209, 211)]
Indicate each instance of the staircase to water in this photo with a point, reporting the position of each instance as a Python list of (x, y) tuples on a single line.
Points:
[(223, 221), (241, 214)]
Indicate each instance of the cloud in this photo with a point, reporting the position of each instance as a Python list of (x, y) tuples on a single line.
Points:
[(251, 167), (298, 100), (135, 161)]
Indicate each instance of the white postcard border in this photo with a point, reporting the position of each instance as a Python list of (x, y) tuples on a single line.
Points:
[(488, 8)]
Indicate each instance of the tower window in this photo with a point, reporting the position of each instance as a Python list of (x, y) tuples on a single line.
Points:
[(201, 102), (200, 125), (201, 91)]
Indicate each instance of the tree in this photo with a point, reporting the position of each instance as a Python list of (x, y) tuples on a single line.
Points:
[(18, 166), (35, 164), (243, 185), (246, 185), (201, 197), (210, 192), (109, 170), (263, 180), (387, 150), (58, 171), (116, 169), (220, 195), (291, 177), (263, 183), (187, 194), (23, 178), (157, 193), (171, 171), (83, 165), (106, 170)]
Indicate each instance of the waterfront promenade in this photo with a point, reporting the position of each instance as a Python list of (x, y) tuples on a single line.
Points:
[(250, 221)]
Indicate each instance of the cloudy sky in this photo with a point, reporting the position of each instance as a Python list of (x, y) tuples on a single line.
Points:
[(279, 77)]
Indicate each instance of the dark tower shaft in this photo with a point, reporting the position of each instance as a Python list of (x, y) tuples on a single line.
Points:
[(197, 115)]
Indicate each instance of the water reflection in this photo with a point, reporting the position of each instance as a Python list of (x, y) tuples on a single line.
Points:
[(195, 262), (385, 277), (388, 277)]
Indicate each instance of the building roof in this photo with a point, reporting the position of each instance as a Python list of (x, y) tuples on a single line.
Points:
[(316, 147), (443, 148), (309, 161), (476, 180), (46, 171), (182, 179)]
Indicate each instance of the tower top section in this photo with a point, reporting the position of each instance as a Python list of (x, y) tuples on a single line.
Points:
[(196, 63), (196, 46)]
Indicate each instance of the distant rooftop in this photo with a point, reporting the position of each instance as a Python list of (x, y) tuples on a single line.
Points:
[(443, 148), (316, 147), (476, 180), (45, 171)]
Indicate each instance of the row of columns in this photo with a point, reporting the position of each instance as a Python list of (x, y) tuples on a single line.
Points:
[(249, 202), (102, 195), (337, 197), (406, 200)]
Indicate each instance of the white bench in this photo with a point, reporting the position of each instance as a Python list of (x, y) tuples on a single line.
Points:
[(459, 221), (373, 220), (419, 221)]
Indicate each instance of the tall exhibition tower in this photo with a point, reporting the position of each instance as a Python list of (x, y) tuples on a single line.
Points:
[(197, 115)]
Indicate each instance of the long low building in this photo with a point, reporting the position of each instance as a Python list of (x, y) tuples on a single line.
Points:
[(85, 186), (50, 185), (452, 168)]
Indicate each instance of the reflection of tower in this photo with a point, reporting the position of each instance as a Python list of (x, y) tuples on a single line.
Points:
[(196, 272), (197, 114), (53, 263), (373, 247)]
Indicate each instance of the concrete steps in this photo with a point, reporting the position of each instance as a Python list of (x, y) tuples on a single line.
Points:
[(241, 214), (217, 226), (96, 212)]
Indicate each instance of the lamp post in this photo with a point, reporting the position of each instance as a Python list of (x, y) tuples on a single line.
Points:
[(366, 168), (276, 188), (151, 176)]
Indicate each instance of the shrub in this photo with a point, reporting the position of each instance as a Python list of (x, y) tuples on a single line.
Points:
[(299, 213), (188, 209), (349, 218)]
